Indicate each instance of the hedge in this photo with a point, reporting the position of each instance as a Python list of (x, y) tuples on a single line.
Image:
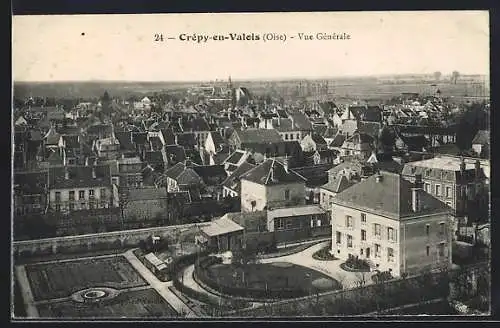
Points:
[(202, 273)]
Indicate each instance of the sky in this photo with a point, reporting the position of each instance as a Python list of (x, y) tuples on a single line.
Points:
[(121, 47)]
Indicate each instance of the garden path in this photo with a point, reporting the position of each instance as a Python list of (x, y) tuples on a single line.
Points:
[(330, 268), (160, 286)]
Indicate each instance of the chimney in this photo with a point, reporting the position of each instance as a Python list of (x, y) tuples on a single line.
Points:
[(279, 121), (93, 172), (418, 181), (176, 139), (462, 166), (66, 173), (293, 122), (415, 199), (477, 167), (285, 164)]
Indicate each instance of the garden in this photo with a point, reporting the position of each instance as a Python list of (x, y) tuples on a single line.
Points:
[(57, 280), (131, 304), (262, 281)]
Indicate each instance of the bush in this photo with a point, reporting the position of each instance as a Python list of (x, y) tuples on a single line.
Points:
[(380, 277), (324, 254), (353, 263)]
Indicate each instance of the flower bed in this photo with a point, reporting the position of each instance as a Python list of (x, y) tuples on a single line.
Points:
[(324, 254), (355, 264)]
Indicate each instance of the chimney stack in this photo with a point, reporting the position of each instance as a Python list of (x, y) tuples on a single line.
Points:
[(462, 166), (415, 199), (66, 173), (176, 139), (477, 167), (93, 173)]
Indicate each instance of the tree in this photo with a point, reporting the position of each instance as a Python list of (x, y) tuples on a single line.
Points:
[(454, 76), (437, 75)]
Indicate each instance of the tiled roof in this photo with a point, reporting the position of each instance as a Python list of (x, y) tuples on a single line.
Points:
[(168, 136), (251, 221), (217, 139), (196, 124), (186, 139), (146, 193), (175, 153), (140, 138), (71, 141), (79, 177), (338, 140), (390, 196), (318, 139), (235, 157), (153, 157), (272, 172), (370, 128), (156, 143), (125, 140)]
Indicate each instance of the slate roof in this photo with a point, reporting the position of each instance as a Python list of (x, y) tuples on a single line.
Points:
[(168, 136), (217, 139), (233, 181), (337, 184), (338, 140), (360, 138), (156, 143), (301, 122), (235, 157), (153, 157), (71, 141), (482, 137), (221, 226), (370, 128), (183, 175), (441, 168), (319, 140), (211, 174), (258, 136), (79, 177), (367, 113), (140, 138), (272, 172), (294, 211), (31, 183), (391, 197), (125, 139), (196, 124), (175, 153), (187, 140), (146, 193)]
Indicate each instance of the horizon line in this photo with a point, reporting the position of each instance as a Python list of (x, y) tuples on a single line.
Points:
[(290, 78)]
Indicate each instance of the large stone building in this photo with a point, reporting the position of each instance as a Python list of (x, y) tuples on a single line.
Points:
[(271, 185), (392, 224)]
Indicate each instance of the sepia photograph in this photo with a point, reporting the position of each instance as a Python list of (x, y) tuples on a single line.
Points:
[(238, 166)]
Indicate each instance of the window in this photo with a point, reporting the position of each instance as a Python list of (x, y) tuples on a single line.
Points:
[(81, 194), (286, 136), (91, 192), (83, 206), (441, 249), (324, 197), (427, 229), (363, 234), (390, 254), (298, 136), (349, 221), (103, 193), (312, 223), (58, 196), (377, 250), (71, 206), (363, 217), (427, 250), (448, 192), (427, 187), (71, 195), (318, 222), (391, 234), (289, 224), (280, 224), (438, 190), (349, 241), (377, 230), (287, 194), (339, 237), (441, 228)]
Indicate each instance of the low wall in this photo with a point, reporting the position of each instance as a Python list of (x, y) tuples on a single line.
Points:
[(94, 242)]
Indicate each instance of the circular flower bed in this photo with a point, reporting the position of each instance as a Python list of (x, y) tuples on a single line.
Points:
[(94, 295), (355, 264), (324, 255)]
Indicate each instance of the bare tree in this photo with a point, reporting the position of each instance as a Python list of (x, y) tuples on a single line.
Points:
[(454, 76)]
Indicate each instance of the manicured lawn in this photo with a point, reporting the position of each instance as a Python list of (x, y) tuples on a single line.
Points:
[(57, 280), (276, 275), (133, 304)]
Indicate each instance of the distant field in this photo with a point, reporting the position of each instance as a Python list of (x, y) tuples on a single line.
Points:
[(351, 88), (57, 280), (132, 304)]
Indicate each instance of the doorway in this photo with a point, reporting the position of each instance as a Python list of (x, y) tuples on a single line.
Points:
[(368, 253)]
